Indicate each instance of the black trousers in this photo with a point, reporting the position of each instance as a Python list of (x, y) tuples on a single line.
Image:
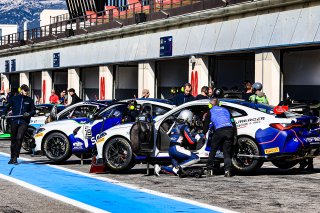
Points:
[(17, 135), (224, 137)]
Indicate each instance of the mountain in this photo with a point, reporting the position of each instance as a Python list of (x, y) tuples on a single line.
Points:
[(19, 11)]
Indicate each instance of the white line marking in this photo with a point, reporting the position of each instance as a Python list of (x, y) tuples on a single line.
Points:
[(53, 195), (130, 186)]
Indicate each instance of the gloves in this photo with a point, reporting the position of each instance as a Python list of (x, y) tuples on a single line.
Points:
[(26, 114)]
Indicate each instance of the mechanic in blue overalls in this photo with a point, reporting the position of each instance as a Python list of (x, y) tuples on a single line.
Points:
[(180, 136), (224, 130), (23, 107)]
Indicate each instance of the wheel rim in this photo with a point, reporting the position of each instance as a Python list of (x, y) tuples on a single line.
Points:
[(56, 147), (117, 154), (246, 149), (28, 140)]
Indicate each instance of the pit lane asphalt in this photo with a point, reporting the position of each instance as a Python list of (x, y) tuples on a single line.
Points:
[(268, 190)]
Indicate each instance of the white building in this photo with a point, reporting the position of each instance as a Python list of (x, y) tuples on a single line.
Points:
[(47, 16), (6, 29)]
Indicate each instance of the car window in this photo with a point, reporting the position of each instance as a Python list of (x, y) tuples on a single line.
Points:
[(235, 112), (83, 111), (42, 110), (113, 111), (159, 110)]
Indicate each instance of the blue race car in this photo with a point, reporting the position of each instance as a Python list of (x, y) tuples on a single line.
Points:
[(58, 140)]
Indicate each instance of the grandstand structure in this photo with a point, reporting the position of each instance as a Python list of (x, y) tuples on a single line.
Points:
[(115, 49)]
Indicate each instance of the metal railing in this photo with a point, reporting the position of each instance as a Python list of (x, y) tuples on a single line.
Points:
[(108, 19)]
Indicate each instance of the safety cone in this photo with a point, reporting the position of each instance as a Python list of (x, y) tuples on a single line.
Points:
[(97, 168)]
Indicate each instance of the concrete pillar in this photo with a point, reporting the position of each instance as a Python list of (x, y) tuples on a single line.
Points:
[(24, 78), (267, 71), (106, 86), (146, 78), (5, 85), (198, 68), (73, 81), (46, 86)]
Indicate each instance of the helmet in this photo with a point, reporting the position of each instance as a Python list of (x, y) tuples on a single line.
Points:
[(218, 93), (257, 86), (185, 116)]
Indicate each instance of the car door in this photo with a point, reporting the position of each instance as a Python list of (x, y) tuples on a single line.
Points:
[(142, 131)]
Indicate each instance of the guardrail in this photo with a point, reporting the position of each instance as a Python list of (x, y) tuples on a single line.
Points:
[(112, 17)]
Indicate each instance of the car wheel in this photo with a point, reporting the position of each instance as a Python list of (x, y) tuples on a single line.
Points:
[(282, 164), (28, 141), (246, 146), (57, 147), (118, 155)]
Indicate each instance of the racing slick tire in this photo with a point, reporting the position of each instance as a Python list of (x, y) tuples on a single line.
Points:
[(246, 165), (57, 147), (282, 164), (118, 155), (28, 141)]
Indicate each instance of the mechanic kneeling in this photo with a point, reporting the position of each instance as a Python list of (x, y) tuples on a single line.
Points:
[(23, 107), (224, 131), (180, 135)]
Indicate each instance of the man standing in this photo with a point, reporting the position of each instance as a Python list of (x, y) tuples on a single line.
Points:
[(223, 135), (258, 96), (74, 98), (23, 108), (184, 97), (204, 93), (53, 99)]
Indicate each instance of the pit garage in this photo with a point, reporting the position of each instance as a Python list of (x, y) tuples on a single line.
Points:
[(60, 80), (89, 78), (14, 80), (301, 74), (35, 79), (171, 73), (230, 71), (126, 81)]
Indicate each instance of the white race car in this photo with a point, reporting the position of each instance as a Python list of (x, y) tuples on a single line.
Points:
[(120, 147), (58, 140)]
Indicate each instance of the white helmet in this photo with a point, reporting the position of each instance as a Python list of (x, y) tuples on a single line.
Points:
[(185, 116)]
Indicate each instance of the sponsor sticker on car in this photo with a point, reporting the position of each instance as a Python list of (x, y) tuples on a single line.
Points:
[(271, 150), (313, 140)]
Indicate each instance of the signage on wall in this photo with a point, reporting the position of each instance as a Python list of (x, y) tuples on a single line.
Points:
[(56, 59), (7, 66), (13, 65), (166, 46)]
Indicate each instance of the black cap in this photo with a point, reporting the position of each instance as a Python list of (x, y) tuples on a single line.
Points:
[(71, 90), (24, 87)]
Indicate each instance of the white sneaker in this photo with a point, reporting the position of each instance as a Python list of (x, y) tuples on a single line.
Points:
[(175, 170), (157, 169)]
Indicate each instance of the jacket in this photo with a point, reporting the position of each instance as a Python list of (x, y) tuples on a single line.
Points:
[(75, 99), (181, 98), (220, 117), (259, 97), (19, 105)]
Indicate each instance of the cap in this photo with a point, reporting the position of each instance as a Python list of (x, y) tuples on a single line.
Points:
[(24, 87)]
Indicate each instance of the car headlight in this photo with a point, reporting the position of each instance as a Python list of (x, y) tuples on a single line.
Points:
[(40, 130)]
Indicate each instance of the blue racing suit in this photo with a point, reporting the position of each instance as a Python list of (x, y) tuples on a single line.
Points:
[(181, 136)]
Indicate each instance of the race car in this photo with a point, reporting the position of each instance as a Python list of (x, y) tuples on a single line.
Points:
[(262, 135), (58, 140)]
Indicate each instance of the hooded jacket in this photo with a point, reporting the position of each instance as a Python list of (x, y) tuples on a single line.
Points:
[(259, 97)]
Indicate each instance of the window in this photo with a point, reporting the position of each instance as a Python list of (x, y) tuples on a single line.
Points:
[(113, 111), (159, 110), (84, 111), (236, 112)]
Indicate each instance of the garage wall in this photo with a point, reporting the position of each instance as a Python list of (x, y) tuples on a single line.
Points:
[(36, 84), (301, 73)]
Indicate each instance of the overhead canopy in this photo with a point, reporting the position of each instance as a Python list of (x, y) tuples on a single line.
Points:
[(78, 8)]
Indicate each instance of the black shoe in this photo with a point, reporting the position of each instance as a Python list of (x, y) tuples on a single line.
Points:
[(15, 161), (227, 174), (212, 172), (10, 161), (310, 168)]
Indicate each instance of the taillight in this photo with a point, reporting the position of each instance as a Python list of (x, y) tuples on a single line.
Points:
[(284, 126)]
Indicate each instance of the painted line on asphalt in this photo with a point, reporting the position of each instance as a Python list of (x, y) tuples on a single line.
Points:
[(52, 195), (129, 186)]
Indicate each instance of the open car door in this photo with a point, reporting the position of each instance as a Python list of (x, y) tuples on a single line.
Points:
[(53, 114), (142, 132)]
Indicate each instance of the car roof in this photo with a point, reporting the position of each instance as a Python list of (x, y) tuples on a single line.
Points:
[(165, 101)]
